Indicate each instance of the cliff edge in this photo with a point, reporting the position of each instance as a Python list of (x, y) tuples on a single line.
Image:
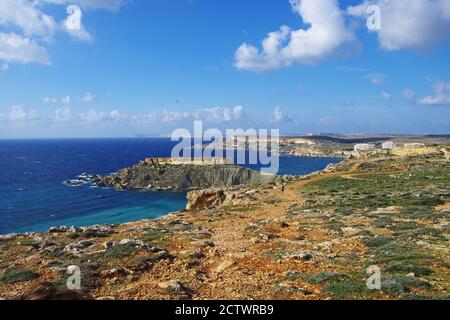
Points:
[(165, 174)]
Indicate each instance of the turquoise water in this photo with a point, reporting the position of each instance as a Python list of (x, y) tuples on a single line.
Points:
[(33, 196)]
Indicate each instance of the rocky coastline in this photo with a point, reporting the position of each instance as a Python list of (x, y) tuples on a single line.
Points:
[(164, 175), (252, 241)]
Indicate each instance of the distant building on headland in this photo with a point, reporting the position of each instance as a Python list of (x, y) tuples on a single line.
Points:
[(364, 147), (388, 145), (187, 161), (414, 145)]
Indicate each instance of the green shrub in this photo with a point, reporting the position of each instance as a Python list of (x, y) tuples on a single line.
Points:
[(17, 275)]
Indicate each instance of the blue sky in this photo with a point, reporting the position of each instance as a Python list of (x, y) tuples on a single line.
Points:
[(147, 67)]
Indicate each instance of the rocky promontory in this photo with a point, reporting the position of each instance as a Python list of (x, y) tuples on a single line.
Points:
[(168, 174), (315, 241)]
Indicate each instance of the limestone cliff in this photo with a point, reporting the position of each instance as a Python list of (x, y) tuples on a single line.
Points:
[(163, 174)]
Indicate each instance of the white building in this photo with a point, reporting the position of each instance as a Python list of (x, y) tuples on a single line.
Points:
[(414, 145), (388, 145), (364, 147)]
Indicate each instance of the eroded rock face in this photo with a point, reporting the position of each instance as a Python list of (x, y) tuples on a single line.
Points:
[(207, 198), (217, 197)]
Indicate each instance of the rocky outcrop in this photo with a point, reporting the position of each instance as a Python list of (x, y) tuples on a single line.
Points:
[(216, 197), (156, 174), (205, 199), (95, 231), (48, 291)]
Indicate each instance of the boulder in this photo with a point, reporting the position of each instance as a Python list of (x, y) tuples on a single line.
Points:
[(138, 244), (78, 246), (175, 287), (90, 231), (114, 273), (9, 236), (47, 291), (300, 256), (206, 198)]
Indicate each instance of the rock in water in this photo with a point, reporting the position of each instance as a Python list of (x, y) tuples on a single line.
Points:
[(164, 174)]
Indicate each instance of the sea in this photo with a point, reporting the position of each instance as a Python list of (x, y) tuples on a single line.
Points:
[(34, 195)]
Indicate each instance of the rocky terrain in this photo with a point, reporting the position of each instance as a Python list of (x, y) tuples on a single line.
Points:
[(313, 241), (162, 174)]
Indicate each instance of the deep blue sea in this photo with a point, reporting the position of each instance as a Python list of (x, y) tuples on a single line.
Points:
[(33, 196)]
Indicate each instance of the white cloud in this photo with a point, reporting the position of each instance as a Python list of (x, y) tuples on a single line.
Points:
[(164, 116), (327, 32), (64, 100), (25, 29), (63, 115), (212, 115), (219, 114), (327, 121), (414, 24), (375, 79), (408, 94), (25, 15), (93, 116), (20, 114), (385, 95), (279, 116), (88, 97), (18, 49), (440, 96), (90, 4)]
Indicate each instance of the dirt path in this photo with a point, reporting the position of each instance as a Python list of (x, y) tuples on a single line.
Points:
[(292, 190)]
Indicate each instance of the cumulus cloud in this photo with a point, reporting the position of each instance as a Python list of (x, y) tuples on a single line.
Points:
[(63, 100), (385, 95), (164, 116), (20, 114), (18, 49), (219, 114), (440, 96), (63, 115), (211, 115), (25, 29), (26, 16), (414, 24), (94, 116), (88, 97), (375, 79), (405, 24), (89, 4), (279, 116), (326, 33)]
